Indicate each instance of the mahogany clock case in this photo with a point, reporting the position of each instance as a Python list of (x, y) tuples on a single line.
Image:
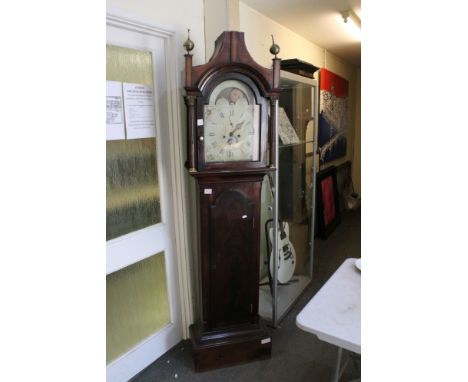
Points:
[(228, 329)]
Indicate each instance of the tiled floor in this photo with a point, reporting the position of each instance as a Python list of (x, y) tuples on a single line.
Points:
[(296, 356)]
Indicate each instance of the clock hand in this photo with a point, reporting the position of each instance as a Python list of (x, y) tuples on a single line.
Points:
[(232, 137), (238, 126)]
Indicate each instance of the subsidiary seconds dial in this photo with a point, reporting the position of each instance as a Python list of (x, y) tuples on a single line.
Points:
[(231, 127)]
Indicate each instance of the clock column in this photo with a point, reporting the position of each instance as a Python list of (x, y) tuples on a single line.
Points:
[(190, 102)]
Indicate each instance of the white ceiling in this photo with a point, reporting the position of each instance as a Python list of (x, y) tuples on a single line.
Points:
[(319, 21)]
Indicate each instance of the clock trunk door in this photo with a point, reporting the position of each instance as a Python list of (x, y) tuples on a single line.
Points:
[(233, 259)]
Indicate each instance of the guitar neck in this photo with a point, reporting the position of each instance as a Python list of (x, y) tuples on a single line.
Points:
[(280, 223)]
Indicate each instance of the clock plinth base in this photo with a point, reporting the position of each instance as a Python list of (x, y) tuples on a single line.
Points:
[(228, 347)]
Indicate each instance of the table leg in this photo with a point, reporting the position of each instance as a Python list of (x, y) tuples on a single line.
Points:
[(336, 374)]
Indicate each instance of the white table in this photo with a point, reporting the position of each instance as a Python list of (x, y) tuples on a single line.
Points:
[(334, 313)]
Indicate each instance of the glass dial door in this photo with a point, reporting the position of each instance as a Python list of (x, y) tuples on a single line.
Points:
[(232, 124)]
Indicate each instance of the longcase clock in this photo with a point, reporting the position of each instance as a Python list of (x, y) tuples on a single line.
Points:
[(231, 117)]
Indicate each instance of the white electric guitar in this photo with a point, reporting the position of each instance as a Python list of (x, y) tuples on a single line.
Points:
[(286, 254)]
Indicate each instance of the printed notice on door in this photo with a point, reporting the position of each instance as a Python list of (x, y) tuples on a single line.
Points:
[(139, 111), (115, 127)]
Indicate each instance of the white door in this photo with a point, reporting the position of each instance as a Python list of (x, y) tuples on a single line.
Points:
[(143, 302)]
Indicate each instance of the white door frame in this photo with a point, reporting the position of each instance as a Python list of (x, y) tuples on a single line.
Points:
[(122, 32)]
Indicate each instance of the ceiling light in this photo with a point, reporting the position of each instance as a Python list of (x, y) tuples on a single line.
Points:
[(350, 17)]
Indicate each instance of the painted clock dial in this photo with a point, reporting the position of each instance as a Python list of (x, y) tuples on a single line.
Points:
[(232, 124)]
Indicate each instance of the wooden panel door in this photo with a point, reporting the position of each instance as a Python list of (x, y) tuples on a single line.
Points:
[(231, 258)]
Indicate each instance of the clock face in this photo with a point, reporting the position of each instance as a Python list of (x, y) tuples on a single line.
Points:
[(231, 124)]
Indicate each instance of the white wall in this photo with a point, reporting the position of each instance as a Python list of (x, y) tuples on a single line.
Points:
[(175, 15), (220, 16), (258, 30)]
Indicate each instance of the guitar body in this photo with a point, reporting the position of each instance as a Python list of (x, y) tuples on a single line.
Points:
[(286, 254)]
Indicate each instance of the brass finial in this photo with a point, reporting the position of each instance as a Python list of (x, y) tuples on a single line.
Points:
[(188, 44), (274, 48)]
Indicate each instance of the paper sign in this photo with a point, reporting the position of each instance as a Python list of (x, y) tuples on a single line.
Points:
[(286, 130), (139, 111), (115, 128)]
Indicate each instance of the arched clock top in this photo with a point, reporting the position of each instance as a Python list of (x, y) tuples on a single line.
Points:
[(213, 75), (250, 86), (231, 55)]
